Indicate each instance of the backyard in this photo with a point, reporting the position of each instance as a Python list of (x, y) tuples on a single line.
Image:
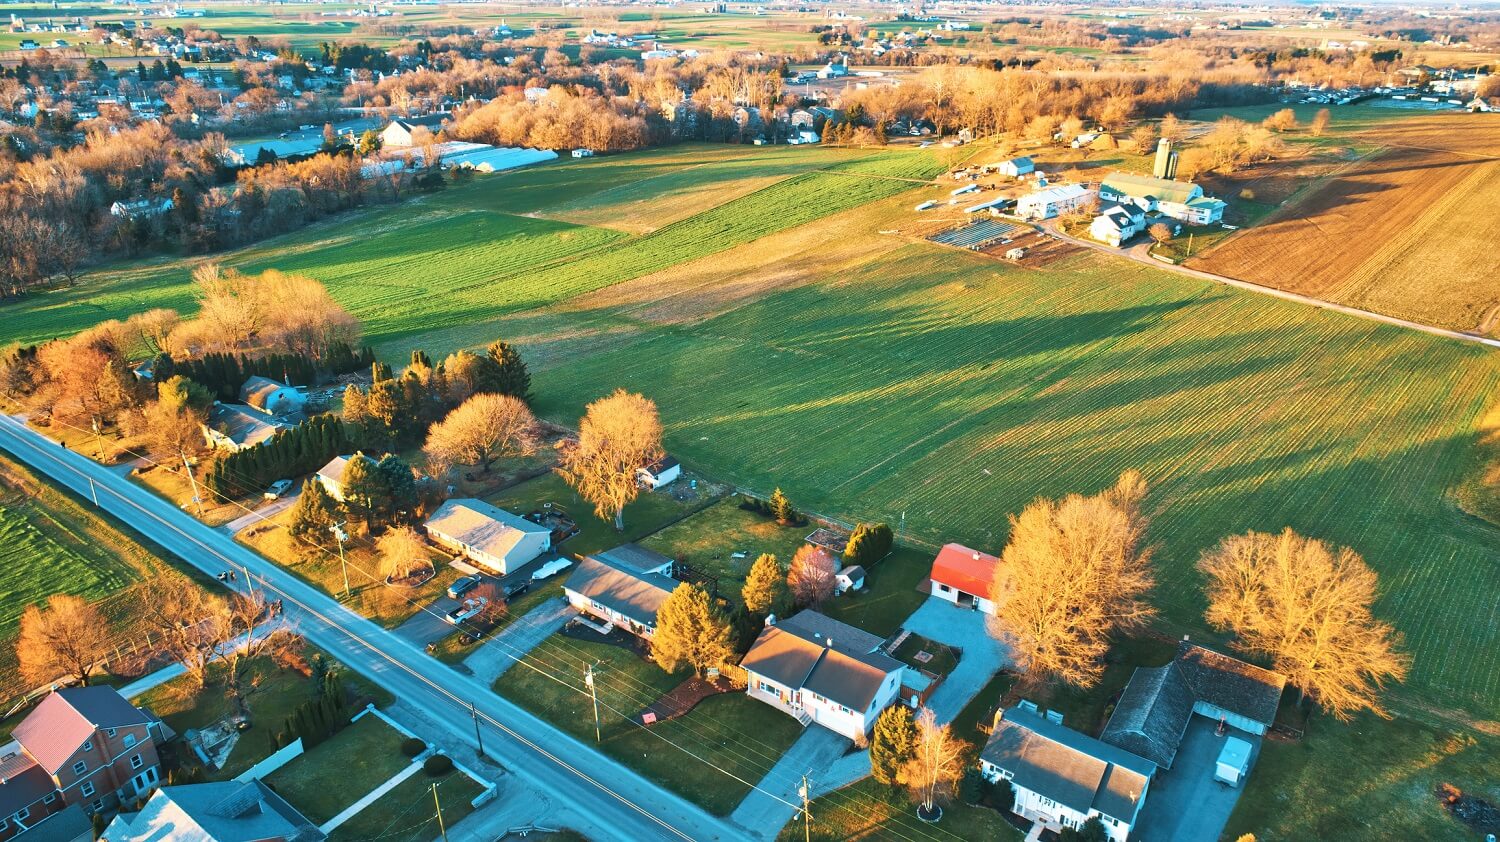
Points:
[(723, 540)]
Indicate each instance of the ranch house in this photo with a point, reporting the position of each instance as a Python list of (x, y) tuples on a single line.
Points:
[(271, 396), (818, 669), (623, 587), (1181, 200), (331, 475), (234, 427), (487, 535), (963, 577), (1046, 204)]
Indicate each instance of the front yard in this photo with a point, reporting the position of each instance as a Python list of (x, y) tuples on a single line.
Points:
[(359, 758), (407, 812), (452, 649), (870, 810), (741, 737)]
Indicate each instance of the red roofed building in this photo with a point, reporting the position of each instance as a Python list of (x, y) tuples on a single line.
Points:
[(963, 576)]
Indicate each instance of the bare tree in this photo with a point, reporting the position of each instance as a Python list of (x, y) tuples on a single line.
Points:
[(245, 639), (810, 577), (188, 618), (935, 764), (617, 437), (484, 428), (174, 421), (69, 638), (1075, 572), (1307, 607), (403, 553), (1159, 232)]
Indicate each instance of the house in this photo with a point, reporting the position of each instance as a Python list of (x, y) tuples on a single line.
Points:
[(818, 669), (964, 577), (623, 587), (398, 135), (659, 473), (83, 747), (487, 535), (1016, 167), (1181, 200), (583, 153), (1046, 204), (1116, 224), (235, 427), (223, 811), (851, 578), (1063, 777), (331, 475), (836, 69), (271, 396), (1154, 711), (140, 208)]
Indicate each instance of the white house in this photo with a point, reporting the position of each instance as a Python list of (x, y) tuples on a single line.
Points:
[(963, 576), (487, 535), (818, 669), (1117, 223), (237, 427), (583, 153), (1016, 167), (1062, 777), (659, 473), (1181, 200), (398, 135), (331, 475), (271, 396), (1045, 204), (623, 587)]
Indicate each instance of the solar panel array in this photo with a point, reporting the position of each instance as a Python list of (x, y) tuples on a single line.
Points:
[(975, 236)]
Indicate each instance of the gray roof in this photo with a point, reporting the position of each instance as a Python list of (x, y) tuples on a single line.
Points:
[(24, 782), (70, 824), (1152, 714), (823, 655), (69, 717), (244, 425), (635, 558), (226, 811), (480, 526), (257, 390), (1066, 766), (1229, 683), (334, 470), (633, 594)]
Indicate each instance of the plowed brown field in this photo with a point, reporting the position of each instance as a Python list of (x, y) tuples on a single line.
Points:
[(1410, 231)]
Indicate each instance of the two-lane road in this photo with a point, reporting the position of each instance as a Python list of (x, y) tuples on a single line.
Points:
[(608, 800)]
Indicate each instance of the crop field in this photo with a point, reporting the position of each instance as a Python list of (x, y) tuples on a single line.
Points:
[(1407, 231), (948, 390)]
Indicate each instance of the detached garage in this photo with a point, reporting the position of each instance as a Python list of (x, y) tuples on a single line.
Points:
[(963, 577)]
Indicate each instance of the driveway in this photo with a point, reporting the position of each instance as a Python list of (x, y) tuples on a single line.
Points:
[(428, 626), (773, 802), (265, 512), (491, 660), (1185, 803), (983, 656)]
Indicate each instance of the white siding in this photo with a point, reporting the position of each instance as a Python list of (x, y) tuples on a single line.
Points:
[(1244, 723)]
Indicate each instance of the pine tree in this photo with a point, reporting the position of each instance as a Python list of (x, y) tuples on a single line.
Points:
[(892, 743), (312, 517), (508, 375), (690, 632), (765, 587), (781, 508), (870, 543)]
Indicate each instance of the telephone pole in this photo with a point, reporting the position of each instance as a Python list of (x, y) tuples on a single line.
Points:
[(588, 679), (338, 533), (192, 481), (806, 810), (478, 737), (439, 805)]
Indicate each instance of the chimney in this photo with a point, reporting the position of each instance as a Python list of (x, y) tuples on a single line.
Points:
[(976, 555), (770, 619)]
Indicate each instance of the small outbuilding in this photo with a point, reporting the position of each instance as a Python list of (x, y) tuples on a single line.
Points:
[(1234, 761), (1016, 167), (659, 473), (963, 577), (851, 578)]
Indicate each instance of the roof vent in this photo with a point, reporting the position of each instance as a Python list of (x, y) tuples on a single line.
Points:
[(976, 555), (770, 619), (1054, 716), (1027, 704), (829, 641)]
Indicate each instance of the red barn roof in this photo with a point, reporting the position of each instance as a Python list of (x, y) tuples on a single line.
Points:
[(970, 571)]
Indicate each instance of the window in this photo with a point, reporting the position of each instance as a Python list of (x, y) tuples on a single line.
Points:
[(944, 588), (88, 746), (23, 814), (80, 767), (87, 789), (129, 740), (4, 823), (110, 732), (136, 762), (98, 804), (51, 797)]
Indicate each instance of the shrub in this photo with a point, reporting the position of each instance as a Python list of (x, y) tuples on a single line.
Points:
[(438, 764), (973, 786), (411, 746)]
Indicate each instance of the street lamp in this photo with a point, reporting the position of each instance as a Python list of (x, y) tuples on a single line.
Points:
[(338, 532)]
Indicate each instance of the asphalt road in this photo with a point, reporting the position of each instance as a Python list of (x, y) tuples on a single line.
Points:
[(606, 799)]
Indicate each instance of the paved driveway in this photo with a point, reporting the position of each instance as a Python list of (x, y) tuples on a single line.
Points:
[(773, 802), (1185, 803), (491, 660), (983, 655)]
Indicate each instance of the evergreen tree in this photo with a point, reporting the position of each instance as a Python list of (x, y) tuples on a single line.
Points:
[(870, 543), (314, 513), (781, 508), (367, 492), (690, 631), (765, 587), (509, 375), (892, 743)]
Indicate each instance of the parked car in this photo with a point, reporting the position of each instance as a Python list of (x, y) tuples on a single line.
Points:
[(462, 586), (278, 488), (516, 589), (468, 608)]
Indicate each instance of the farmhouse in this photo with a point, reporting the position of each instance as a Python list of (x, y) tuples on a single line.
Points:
[(1016, 167), (1181, 200), (271, 396), (659, 473), (624, 587), (1062, 777), (331, 475), (221, 811), (234, 427), (398, 135), (1046, 204), (964, 577), (1117, 223), (84, 746), (487, 535), (1154, 711), (818, 669)]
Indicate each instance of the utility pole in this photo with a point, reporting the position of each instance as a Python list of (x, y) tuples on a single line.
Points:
[(479, 738), (436, 803), (338, 532), (806, 810), (98, 439), (94, 491), (588, 679), (192, 481), (1190, 244)]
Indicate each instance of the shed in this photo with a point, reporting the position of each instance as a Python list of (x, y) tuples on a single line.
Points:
[(659, 473), (851, 578)]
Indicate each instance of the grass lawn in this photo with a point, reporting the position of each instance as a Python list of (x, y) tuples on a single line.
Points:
[(407, 813), (890, 593), (650, 512), (451, 650), (943, 657), (279, 692), (743, 737), (361, 757), (870, 810), (707, 542), (981, 709), (1088, 710), (387, 605), (174, 486)]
